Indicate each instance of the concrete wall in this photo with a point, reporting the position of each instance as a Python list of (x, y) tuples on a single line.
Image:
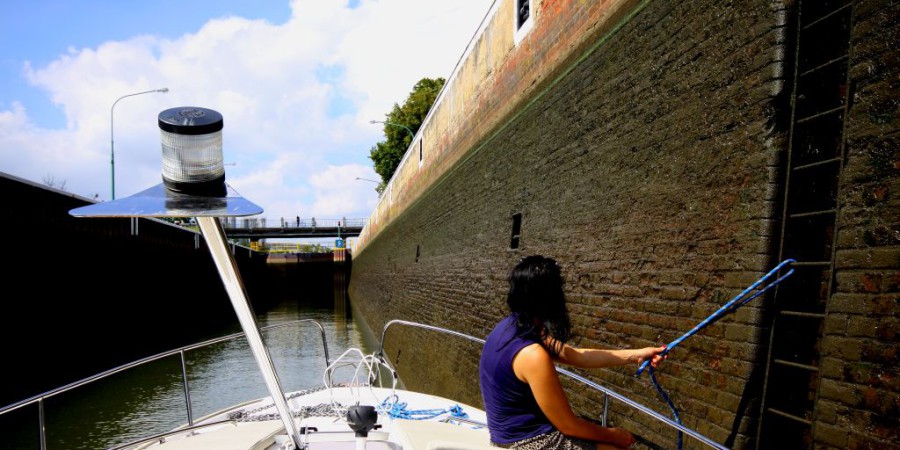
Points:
[(81, 295), (644, 145)]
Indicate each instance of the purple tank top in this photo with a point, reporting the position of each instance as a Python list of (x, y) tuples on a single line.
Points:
[(512, 412)]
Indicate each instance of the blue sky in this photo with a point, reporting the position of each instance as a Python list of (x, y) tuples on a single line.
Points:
[(42, 31), (297, 82)]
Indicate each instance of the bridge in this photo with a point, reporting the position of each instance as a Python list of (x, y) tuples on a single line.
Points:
[(267, 227)]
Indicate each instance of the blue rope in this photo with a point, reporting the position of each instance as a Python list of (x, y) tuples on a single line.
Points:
[(732, 305), (665, 397), (397, 410), (729, 307)]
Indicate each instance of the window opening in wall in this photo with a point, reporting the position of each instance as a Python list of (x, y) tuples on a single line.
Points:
[(516, 230), (523, 11), (420, 152), (523, 19), (417, 253)]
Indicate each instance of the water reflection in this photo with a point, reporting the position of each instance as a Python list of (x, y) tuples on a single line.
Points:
[(149, 399)]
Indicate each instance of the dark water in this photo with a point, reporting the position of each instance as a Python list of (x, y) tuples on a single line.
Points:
[(149, 399)]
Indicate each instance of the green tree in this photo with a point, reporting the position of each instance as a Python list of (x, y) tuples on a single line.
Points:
[(387, 154)]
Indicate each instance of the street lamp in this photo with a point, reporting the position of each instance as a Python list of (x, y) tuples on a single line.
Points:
[(412, 135), (378, 186), (112, 152)]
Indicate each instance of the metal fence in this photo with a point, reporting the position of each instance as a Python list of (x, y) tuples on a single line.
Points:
[(291, 222), (300, 247)]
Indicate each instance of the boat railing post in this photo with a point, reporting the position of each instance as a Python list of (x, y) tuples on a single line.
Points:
[(324, 343), (41, 424), (187, 390), (603, 413)]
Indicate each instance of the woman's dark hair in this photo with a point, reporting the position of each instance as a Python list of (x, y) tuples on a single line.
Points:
[(536, 298)]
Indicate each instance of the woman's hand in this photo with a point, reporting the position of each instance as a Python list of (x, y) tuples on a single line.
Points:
[(621, 437), (641, 355)]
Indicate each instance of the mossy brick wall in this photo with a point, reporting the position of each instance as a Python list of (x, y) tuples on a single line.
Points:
[(859, 398), (653, 172)]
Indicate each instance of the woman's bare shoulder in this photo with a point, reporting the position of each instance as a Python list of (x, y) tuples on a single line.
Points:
[(531, 359)]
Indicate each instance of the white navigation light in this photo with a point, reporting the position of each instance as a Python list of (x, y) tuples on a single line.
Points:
[(192, 161), (194, 185), (193, 174)]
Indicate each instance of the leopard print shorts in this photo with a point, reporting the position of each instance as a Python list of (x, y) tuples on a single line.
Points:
[(553, 440)]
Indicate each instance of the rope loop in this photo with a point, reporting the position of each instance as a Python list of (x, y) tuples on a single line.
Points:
[(740, 300)]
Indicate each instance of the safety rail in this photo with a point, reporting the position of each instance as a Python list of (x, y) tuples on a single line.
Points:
[(291, 222), (39, 399), (301, 247), (607, 393)]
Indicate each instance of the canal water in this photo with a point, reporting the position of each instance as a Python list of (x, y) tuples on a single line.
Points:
[(149, 399)]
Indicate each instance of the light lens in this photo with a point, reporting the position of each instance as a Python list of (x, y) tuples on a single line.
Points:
[(192, 158)]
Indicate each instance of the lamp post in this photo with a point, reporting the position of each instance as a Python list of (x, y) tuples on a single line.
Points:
[(112, 152), (378, 185), (412, 135)]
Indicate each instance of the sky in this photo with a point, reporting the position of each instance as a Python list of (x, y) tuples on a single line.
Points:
[(297, 83)]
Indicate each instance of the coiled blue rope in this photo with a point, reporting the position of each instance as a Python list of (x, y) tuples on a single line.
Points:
[(397, 410), (732, 305)]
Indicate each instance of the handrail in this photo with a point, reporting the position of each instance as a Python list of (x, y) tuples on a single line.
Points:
[(113, 371), (39, 398), (606, 391), (250, 222), (427, 327)]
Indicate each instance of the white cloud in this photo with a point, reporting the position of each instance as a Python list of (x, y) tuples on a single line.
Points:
[(297, 98), (332, 200)]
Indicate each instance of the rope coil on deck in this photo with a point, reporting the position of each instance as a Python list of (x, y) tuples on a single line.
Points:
[(393, 407)]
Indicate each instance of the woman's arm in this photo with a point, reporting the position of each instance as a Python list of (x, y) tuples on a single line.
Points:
[(534, 366), (591, 358)]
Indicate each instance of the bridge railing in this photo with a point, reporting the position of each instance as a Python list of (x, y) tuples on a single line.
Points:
[(301, 247), (291, 222)]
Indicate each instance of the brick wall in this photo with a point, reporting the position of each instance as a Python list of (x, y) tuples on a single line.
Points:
[(647, 158), (859, 398)]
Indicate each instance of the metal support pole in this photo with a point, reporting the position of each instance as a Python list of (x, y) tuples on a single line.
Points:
[(605, 412), (187, 390), (42, 424), (215, 238)]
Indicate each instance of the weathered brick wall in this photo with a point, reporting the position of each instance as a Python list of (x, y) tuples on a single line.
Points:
[(859, 398), (652, 172)]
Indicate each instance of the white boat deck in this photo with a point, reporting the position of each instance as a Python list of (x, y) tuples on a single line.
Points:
[(256, 428)]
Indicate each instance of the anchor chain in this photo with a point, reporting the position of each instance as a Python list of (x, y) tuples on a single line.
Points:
[(323, 409)]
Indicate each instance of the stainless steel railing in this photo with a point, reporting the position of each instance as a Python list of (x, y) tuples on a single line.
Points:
[(39, 399), (290, 222), (607, 392)]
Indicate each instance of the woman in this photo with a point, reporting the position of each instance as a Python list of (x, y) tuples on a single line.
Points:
[(524, 400)]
